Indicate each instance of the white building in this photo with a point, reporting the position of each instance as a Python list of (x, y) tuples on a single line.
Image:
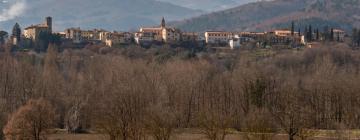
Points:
[(217, 37), (235, 42), (339, 35), (144, 38)]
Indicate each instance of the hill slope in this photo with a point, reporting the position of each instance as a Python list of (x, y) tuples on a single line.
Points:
[(266, 15), (208, 5), (108, 14)]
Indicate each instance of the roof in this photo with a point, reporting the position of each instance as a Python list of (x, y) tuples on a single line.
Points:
[(157, 28), (36, 26), (339, 30), (254, 33), (282, 30), (217, 32), (190, 33)]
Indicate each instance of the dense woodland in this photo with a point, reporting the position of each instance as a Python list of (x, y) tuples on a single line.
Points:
[(135, 93)]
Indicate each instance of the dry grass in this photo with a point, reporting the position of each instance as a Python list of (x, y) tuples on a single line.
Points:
[(77, 137), (187, 135)]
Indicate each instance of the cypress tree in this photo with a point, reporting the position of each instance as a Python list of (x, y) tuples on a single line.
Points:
[(310, 33), (358, 38), (354, 36), (16, 32), (317, 35), (306, 33), (292, 28), (326, 33), (332, 34), (3, 36)]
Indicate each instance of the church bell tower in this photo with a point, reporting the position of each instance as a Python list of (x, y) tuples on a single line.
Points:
[(163, 24)]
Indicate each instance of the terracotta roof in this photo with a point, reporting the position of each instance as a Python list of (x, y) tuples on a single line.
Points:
[(37, 26)]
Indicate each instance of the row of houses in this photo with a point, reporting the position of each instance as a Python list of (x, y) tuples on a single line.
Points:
[(169, 35), (236, 39), (282, 37), (145, 36)]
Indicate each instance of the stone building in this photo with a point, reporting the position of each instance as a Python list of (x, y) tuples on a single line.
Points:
[(33, 32), (73, 34), (171, 35), (162, 33), (118, 38)]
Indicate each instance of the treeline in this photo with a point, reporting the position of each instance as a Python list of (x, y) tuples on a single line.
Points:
[(140, 97)]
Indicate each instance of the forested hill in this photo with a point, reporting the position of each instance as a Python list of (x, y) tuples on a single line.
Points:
[(265, 15)]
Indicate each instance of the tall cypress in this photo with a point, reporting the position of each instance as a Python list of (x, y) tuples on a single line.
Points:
[(326, 33), (332, 34), (358, 38), (310, 33), (292, 28), (306, 33), (16, 32), (317, 34), (354, 37)]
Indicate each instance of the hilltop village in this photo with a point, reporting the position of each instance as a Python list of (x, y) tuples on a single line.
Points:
[(40, 35)]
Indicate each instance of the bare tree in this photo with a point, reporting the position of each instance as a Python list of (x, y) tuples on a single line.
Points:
[(160, 122), (289, 111), (31, 121), (215, 126), (258, 125)]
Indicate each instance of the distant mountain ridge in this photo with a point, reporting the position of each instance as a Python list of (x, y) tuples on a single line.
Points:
[(108, 14), (267, 15)]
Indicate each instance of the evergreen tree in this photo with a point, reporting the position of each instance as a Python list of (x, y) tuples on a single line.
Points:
[(3, 36), (358, 38), (306, 33), (16, 32), (326, 33), (317, 35), (292, 28), (310, 32), (355, 37), (332, 34)]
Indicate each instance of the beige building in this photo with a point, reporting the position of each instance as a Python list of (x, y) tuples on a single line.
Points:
[(104, 35), (157, 32), (87, 35), (118, 38), (253, 35), (33, 32), (339, 35), (217, 37), (144, 38), (161, 33), (171, 35), (284, 32), (74, 34)]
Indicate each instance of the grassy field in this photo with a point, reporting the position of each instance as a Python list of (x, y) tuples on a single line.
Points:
[(187, 135)]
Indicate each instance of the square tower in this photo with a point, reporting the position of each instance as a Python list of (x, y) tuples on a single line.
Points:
[(48, 23)]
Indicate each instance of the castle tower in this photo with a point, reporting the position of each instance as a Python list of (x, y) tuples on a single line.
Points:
[(163, 24), (49, 23)]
